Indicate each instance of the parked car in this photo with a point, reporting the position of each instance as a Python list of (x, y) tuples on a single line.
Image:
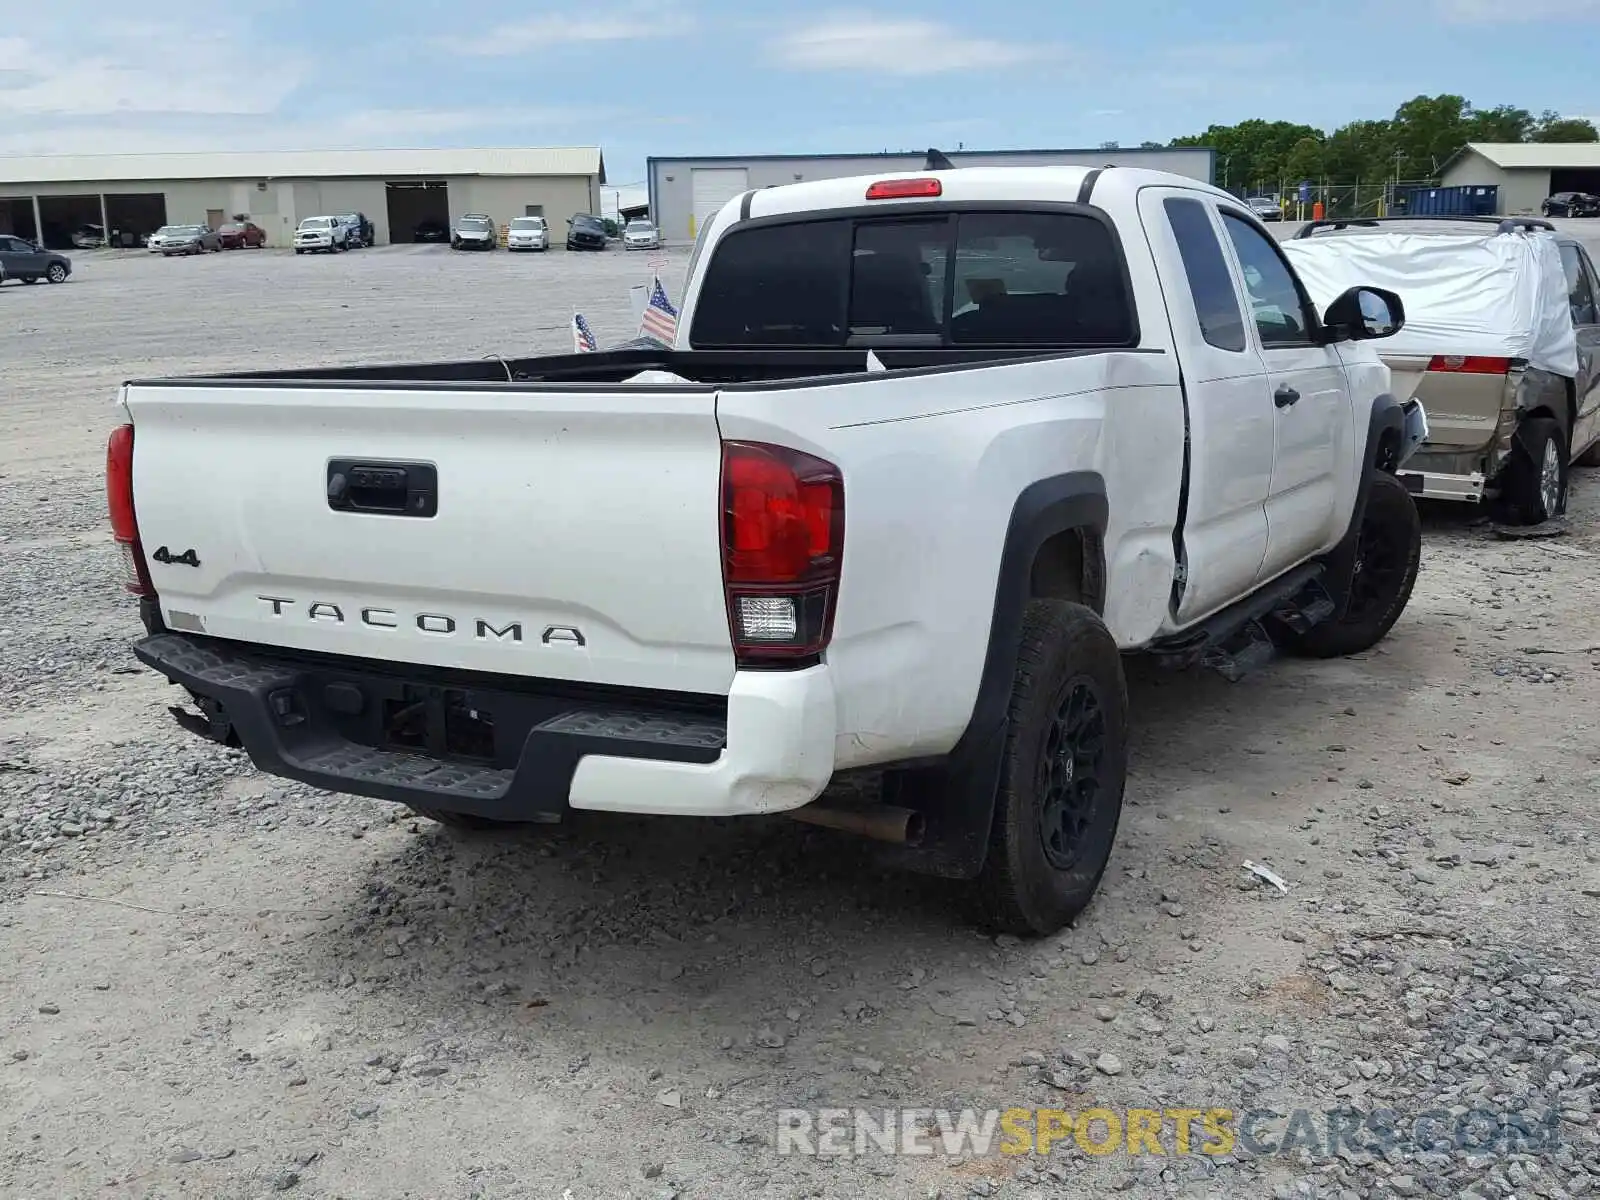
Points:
[(321, 234), (641, 235), (1150, 442), (475, 231), (88, 237), (1571, 204), (586, 232), (1503, 348), (528, 233), (158, 239), (1265, 208), (241, 235), (361, 229), (190, 239), (31, 262), (431, 229)]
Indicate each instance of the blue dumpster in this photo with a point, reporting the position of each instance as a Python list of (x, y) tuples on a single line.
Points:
[(1468, 200)]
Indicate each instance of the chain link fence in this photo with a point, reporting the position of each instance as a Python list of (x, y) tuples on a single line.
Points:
[(1360, 198)]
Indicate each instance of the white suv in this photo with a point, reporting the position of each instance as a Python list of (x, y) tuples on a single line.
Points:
[(321, 233)]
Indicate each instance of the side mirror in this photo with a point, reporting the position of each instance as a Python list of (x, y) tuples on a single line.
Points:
[(1364, 313)]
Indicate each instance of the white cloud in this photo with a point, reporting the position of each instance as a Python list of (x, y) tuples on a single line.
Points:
[(75, 85), (532, 34), (148, 68), (896, 46)]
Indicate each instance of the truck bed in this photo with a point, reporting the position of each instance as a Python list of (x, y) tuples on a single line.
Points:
[(702, 368)]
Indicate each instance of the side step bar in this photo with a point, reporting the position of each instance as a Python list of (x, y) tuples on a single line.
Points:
[(1239, 639)]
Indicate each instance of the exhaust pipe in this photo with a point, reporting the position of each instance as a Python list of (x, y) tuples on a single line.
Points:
[(881, 822)]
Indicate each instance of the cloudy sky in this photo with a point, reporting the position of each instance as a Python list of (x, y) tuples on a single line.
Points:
[(727, 77)]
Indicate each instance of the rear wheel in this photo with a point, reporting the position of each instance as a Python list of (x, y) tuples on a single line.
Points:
[(1388, 552), (1536, 476), (1062, 776)]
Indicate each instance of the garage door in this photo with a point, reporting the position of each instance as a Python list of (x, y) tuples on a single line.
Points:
[(713, 187)]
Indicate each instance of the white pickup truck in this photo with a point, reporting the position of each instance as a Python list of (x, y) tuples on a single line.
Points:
[(930, 454)]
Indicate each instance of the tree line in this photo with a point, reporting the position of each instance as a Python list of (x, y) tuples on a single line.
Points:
[(1412, 146)]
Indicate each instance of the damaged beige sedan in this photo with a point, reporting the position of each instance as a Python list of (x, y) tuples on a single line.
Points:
[(1501, 344)]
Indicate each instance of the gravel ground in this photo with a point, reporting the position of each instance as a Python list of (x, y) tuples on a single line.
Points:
[(222, 985)]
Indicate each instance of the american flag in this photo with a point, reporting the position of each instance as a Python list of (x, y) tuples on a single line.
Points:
[(660, 319), (583, 339)]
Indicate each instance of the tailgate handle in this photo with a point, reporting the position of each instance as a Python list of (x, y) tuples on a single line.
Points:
[(389, 488)]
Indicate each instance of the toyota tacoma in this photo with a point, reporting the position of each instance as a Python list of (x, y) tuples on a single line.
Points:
[(931, 454)]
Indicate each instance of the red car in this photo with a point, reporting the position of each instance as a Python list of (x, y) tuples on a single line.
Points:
[(241, 235)]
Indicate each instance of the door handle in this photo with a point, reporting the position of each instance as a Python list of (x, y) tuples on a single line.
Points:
[(1285, 396), (398, 489)]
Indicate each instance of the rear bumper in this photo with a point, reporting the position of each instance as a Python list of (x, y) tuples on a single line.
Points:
[(1435, 485), (507, 748)]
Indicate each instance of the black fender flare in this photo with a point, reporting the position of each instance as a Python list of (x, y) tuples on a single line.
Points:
[(956, 796), (1386, 425)]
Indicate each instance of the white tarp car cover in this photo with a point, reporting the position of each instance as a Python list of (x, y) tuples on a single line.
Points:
[(1502, 296)]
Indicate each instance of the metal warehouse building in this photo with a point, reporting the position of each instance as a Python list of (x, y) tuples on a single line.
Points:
[(1525, 172), (684, 192), (52, 197)]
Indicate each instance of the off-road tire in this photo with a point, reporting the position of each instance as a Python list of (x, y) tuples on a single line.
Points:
[(465, 822), (1388, 552), (1526, 491), (1066, 740)]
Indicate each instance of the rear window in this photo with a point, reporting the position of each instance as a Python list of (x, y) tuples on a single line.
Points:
[(966, 279)]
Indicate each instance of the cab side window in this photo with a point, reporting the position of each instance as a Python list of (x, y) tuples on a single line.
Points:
[(1282, 311), (1216, 300)]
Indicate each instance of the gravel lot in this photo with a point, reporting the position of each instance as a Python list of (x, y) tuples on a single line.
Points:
[(221, 985)]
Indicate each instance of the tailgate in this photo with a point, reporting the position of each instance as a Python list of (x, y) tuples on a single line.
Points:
[(573, 536)]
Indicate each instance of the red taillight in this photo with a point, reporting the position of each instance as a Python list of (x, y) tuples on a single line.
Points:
[(1469, 364), (782, 546), (904, 189), (119, 501)]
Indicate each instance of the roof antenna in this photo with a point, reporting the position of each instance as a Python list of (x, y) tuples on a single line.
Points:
[(937, 162)]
